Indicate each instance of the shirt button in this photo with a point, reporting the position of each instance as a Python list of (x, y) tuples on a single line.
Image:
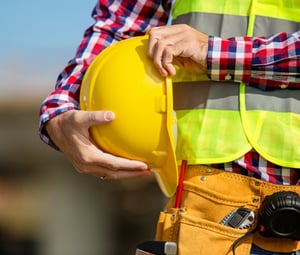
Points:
[(228, 77), (283, 86)]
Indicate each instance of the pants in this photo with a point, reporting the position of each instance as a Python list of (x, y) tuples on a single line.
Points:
[(208, 196)]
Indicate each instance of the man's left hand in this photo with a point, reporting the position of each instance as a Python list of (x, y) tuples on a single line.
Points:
[(179, 45)]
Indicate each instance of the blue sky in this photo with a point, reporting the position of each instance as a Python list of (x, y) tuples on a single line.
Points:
[(37, 39)]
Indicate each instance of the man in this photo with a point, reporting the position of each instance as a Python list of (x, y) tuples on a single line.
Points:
[(238, 122)]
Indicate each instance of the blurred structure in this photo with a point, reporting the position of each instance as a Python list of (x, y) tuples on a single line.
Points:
[(47, 208)]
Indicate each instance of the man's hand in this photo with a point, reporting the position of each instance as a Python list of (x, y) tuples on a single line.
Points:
[(181, 45), (70, 132)]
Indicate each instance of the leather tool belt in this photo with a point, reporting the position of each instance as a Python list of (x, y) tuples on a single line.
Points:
[(225, 213)]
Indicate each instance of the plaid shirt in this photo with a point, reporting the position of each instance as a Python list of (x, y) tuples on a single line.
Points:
[(266, 63)]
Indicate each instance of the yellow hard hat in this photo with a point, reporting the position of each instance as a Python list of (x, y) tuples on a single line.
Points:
[(123, 79)]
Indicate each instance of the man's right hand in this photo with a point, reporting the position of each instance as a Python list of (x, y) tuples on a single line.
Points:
[(70, 133)]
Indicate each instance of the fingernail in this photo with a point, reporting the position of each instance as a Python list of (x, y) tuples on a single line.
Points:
[(108, 116)]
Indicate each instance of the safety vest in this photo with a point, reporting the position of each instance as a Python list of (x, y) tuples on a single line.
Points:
[(219, 122)]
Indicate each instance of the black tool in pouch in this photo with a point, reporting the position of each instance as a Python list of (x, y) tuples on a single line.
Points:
[(279, 215)]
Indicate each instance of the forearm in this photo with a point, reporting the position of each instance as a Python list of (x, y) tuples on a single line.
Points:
[(108, 28), (267, 63), (65, 97)]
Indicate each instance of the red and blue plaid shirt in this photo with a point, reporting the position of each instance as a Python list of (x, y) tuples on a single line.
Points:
[(266, 63)]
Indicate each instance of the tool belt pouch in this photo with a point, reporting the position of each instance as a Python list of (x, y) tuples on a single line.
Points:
[(199, 236), (202, 225), (197, 226), (168, 225)]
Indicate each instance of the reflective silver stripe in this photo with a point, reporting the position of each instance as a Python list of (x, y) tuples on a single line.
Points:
[(215, 24), (221, 95), (276, 101), (272, 26), (205, 94), (224, 96), (190, 95), (225, 25)]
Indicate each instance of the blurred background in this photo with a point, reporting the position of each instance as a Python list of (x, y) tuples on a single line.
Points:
[(46, 207)]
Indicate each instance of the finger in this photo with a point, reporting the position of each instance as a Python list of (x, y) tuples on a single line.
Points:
[(113, 167), (151, 43), (155, 34), (90, 155), (107, 174), (157, 57), (118, 163), (101, 171), (167, 61)]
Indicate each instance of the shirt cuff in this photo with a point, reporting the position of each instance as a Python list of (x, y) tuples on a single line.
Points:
[(47, 113), (229, 59)]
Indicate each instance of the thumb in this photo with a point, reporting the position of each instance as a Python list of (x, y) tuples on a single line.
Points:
[(91, 118)]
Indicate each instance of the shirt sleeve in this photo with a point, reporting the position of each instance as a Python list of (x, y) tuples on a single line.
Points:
[(113, 22), (264, 62)]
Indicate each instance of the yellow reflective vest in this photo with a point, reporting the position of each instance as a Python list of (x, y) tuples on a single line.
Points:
[(219, 122)]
